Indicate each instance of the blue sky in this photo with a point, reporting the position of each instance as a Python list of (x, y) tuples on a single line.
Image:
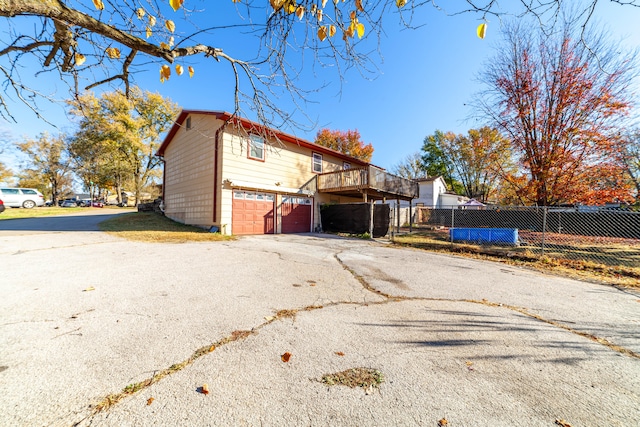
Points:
[(426, 76)]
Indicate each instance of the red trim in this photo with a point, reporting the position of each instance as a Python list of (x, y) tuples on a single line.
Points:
[(250, 125)]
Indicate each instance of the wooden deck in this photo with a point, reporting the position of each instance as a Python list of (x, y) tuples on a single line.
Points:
[(372, 182)]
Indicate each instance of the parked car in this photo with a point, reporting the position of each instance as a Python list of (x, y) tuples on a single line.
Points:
[(21, 197), (69, 203), (97, 204), (1, 206)]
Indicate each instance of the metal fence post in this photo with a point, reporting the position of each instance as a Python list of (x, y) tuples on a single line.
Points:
[(544, 226), (452, 223)]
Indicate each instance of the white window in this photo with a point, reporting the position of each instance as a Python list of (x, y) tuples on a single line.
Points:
[(317, 163), (270, 197), (238, 195), (256, 147)]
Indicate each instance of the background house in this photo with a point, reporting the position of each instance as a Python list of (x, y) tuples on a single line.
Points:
[(239, 177)]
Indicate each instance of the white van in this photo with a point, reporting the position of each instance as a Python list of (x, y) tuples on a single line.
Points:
[(21, 197)]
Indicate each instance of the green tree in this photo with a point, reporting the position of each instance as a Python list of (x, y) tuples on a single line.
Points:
[(118, 136), (48, 167), (436, 160)]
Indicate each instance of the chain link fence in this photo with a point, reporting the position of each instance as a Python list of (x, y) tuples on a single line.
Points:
[(604, 236)]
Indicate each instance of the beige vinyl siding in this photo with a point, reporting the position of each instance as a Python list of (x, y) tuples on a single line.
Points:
[(189, 172), (285, 166)]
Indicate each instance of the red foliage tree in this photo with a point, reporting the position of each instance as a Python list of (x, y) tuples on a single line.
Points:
[(560, 98), (348, 142)]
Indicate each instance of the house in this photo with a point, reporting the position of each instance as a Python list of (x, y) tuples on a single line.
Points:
[(430, 190), (432, 193), (239, 177)]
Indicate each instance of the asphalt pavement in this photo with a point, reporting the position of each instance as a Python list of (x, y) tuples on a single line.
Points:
[(91, 321)]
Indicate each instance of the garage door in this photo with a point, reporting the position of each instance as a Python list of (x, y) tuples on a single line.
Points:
[(296, 214), (253, 213)]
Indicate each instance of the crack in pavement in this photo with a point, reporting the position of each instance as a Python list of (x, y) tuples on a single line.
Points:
[(26, 251), (131, 389), (521, 310)]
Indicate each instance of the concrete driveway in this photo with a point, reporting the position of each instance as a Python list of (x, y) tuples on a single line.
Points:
[(84, 316)]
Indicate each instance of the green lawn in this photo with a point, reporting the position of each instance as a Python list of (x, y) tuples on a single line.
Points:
[(14, 213), (151, 227)]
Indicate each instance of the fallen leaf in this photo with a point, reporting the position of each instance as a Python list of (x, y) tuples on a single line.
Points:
[(285, 357), (443, 422), (562, 423), (469, 363), (269, 318), (149, 401), (296, 285), (205, 389), (213, 347), (90, 288), (339, 353)]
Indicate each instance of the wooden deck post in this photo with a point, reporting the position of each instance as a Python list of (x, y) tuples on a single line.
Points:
[(398, 216), (410, 216), (371, 205)]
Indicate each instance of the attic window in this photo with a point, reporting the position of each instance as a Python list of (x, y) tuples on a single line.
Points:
[(188, 124), (316, 163), (256, 148)]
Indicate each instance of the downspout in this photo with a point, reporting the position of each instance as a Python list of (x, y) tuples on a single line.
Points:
[(163, 204), (164, 176), (215, 172)]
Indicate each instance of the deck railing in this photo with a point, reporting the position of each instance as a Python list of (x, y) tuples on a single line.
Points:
[(367, 178)]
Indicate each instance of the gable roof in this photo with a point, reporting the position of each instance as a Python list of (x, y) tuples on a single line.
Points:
[(248, 124)]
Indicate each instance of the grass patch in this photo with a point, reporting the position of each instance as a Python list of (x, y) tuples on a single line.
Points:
[(366, 378), (151, 227), (553, 261), (19, 213)]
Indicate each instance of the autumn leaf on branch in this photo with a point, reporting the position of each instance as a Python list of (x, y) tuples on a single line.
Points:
[(347, 142), (129, 31)]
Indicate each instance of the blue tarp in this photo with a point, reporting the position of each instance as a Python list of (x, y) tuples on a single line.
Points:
[(508, 236)]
